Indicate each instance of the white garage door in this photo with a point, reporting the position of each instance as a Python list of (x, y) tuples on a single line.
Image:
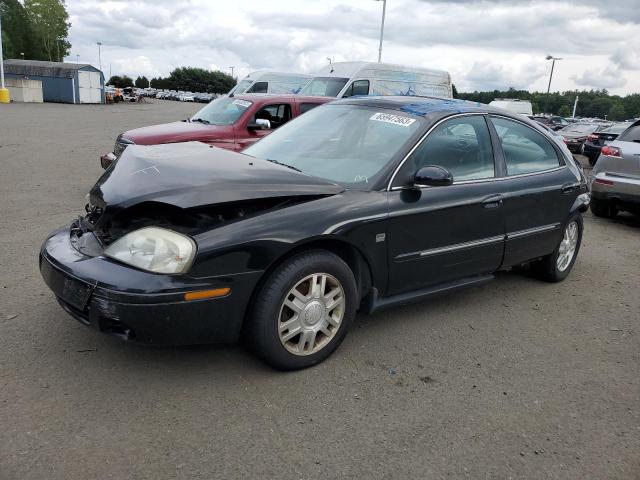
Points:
[(90, 91)]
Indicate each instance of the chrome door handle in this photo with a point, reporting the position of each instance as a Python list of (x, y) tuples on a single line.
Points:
[(493, 201)]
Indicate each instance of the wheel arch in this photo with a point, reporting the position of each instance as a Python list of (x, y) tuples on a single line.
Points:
[(349, 253)]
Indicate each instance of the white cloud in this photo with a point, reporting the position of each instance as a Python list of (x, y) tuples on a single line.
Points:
[(608, 77), (483, 43)]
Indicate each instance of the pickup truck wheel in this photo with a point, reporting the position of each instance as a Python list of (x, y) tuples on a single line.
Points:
[(602, 208), (556, 266), (303, 310)]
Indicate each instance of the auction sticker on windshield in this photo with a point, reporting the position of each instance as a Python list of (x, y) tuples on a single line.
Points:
[(242, 103), (390, 118)]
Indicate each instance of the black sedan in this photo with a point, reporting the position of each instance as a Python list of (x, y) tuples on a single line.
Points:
[(576, 135), (361, 204)]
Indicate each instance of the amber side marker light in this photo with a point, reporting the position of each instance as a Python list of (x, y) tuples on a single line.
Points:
[(202, 294)]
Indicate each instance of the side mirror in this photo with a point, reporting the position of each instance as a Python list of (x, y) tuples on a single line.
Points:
[(259, 124), (432, 176)]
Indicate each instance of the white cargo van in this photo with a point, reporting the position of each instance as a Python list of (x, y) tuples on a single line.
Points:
[(271, 82), (514, 105), (345, 79)]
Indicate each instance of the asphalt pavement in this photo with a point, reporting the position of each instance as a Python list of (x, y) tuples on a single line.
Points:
[(514, 379)]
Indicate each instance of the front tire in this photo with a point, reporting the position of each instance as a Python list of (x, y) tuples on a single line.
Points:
[(303, 310), (556, 266)]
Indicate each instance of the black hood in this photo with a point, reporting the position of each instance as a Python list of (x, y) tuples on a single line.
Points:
[(194, 174)]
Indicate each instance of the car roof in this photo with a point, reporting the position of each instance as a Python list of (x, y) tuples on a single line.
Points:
[(289, 97), (422, 106)]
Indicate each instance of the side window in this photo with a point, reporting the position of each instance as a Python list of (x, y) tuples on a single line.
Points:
[(305, 107), (631, 134), (461, 145), (359, 87), (259, 87), (278, 114), (525, 150)]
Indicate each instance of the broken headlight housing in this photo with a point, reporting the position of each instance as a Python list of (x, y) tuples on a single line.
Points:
[(154, 249)]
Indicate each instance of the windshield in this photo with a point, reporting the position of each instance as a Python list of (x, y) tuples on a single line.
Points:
[(222, 111), (241, 87), (324, 86), (346, 144)]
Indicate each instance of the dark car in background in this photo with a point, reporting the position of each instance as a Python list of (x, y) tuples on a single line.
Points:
[(553, 122), (615, 184), (575, 135), (360, 204), (232, 123), (600, 138)]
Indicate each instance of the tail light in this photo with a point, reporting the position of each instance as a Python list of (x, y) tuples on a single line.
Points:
[(610, 151), (602, 181), (564, 139)]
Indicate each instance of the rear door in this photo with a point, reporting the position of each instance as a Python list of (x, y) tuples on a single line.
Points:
[(540, 191)]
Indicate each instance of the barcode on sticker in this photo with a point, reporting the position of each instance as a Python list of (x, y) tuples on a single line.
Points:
[(390, 118), (242, 103)]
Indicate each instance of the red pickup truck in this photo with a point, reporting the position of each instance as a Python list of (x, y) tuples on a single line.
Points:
[(232, 123)]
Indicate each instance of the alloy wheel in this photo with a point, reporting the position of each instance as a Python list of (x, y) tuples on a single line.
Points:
[(311, 314), (567, 246)]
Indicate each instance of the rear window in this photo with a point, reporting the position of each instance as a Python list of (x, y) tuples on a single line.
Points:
[(632, 134)]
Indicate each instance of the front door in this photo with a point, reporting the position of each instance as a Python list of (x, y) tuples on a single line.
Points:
[(276, 113), (440, 234)]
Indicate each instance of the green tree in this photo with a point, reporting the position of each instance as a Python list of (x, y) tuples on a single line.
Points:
[(564, 111), (50, 25), (617, 112), (16, 30), (195, 80), (142, 82), (120, 82)]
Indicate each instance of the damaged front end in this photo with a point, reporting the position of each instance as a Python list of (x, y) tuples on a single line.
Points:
[(126, 267)]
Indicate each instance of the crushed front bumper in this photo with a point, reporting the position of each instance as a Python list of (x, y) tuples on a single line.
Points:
[(142, 306)]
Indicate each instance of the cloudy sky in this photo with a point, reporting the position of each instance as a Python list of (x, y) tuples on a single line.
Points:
[(485, 44)]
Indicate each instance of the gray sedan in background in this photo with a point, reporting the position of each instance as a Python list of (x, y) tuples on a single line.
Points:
[(616, 175)]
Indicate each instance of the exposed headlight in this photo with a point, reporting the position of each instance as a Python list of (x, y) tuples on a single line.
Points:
[(154, 249)]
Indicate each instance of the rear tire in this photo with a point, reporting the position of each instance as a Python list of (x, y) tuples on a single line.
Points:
[(556, 266), (303, 310), (603, 208)]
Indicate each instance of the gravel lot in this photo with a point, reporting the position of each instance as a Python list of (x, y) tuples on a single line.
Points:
[(514, 379)]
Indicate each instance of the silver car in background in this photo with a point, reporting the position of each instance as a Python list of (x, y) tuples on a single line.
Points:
[(615, 184)]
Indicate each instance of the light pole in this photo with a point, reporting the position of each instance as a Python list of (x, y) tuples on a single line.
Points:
[(231, 67), (99, 57), (384, 11), (553, 64), (4, 92), (77, 58)]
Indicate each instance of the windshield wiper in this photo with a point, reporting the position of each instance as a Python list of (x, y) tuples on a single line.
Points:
[(284, 165), (201, 120)]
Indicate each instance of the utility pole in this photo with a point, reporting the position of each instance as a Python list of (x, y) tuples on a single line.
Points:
[(384, 11), (77, 58), (232, 67), (553, 64), (4, 93), (575, 104), (99, 57)]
